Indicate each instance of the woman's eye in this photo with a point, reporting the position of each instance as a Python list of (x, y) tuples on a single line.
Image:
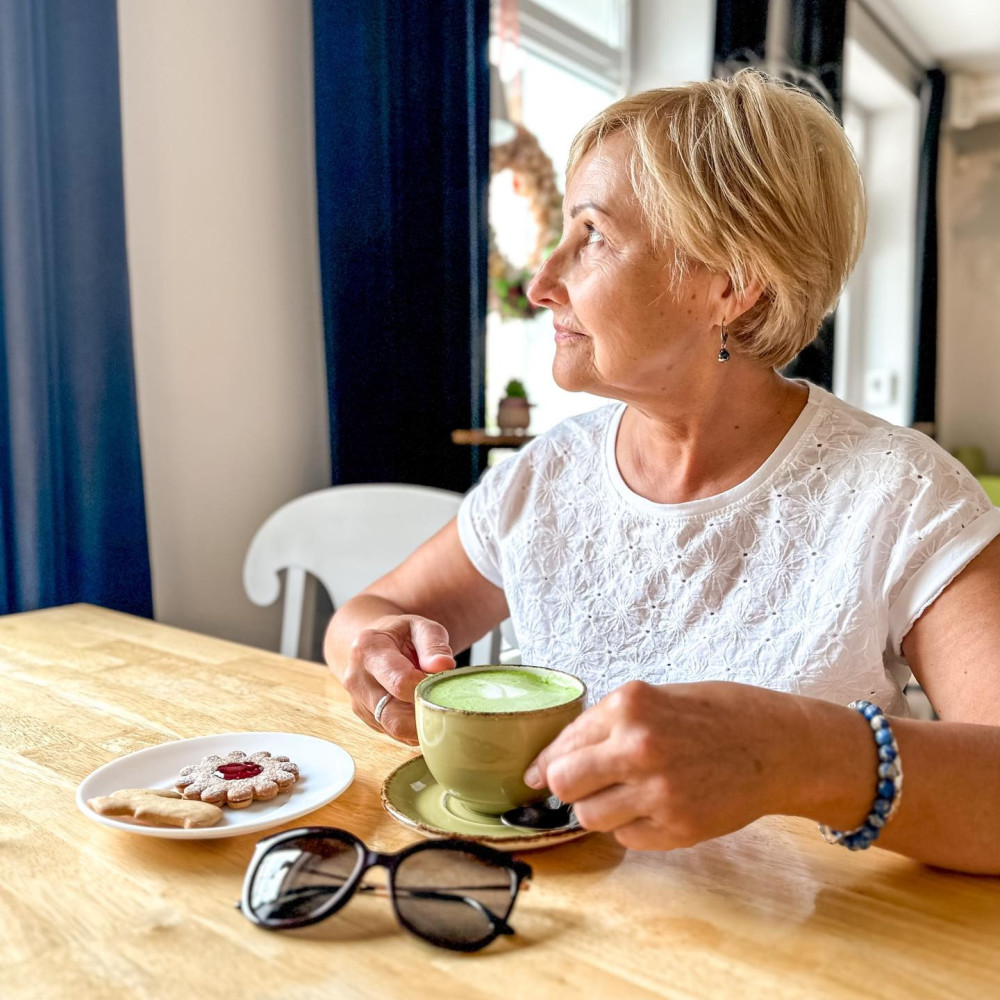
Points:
[(593, 236)]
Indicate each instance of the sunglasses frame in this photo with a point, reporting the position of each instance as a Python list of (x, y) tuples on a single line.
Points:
[(519, 871)]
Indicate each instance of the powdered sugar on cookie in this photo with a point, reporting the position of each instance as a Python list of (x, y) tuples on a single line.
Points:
[(237, 779)]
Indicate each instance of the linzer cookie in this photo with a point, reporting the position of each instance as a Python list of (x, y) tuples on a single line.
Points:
[(237, 779)]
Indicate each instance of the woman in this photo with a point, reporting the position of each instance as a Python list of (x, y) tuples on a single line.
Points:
[(726, 557)]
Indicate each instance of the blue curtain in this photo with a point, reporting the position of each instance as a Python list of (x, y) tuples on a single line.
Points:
[(402, 165), (72, 514)]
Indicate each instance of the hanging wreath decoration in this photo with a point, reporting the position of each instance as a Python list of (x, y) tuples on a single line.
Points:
[(536, 180)]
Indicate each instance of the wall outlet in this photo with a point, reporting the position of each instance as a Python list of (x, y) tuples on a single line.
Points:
[(880, 387)]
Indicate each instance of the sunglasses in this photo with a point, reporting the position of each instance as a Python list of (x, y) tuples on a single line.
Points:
[(453, 893)]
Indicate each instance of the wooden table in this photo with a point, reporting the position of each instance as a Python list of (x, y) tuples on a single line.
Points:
[(86, 911)]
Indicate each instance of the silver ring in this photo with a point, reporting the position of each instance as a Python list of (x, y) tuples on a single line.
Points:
[(380, 707)]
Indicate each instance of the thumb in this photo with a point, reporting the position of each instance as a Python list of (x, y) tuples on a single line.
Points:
[(430, 642)]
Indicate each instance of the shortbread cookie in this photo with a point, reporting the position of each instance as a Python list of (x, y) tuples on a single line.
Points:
[(237, 779), (156, 807)]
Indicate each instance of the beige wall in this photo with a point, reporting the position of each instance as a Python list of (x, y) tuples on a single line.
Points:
[(968, 408), (220, 206)]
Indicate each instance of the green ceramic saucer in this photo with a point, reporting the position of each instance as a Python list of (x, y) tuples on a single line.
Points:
[(412, 796)]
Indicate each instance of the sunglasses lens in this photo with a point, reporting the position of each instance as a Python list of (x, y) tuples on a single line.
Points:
[(298, 878), (453, 897)]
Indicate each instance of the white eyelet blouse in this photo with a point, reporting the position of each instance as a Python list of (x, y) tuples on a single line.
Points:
[(803, 578)]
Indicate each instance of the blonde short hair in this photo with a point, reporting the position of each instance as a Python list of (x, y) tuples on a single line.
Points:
[(753, 178)]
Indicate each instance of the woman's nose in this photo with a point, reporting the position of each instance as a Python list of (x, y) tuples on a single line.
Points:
[(546, 288)]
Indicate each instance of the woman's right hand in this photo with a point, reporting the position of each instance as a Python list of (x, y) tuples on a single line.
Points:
[(392, 656)]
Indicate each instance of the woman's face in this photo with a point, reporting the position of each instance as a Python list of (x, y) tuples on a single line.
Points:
[(623, 328)]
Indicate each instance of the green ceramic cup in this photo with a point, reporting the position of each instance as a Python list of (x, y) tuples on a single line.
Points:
[(480, 727)]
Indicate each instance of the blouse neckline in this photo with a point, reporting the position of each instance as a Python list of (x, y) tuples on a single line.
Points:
[(705, 505)]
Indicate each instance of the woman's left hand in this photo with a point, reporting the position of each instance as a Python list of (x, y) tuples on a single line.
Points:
[(668, 766)]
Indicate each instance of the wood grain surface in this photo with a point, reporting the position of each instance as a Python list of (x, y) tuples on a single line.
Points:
[(87, 911)]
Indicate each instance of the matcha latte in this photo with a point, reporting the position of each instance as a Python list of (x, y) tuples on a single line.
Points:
[(480, 727), (502, 690)]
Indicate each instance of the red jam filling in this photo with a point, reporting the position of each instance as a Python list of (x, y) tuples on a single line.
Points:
[(233, 772)]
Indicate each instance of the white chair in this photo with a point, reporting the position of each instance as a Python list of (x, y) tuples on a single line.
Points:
[(346, 537)]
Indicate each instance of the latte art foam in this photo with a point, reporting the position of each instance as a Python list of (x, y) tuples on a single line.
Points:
[(505, 690)]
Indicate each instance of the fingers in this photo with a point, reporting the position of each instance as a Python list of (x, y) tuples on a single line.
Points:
[(622, 708), (586, 730), (366, 693), (645, 835), (379, 653), (574, 776), (610, 809), (430, 642), (638, 813), (396, 719), (384, 661), (598, 781)]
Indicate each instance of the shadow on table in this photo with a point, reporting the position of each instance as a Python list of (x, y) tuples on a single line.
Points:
[(361, 921), (595, 852)]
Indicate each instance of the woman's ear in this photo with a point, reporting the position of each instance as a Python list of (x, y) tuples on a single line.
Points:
[(738, 304)]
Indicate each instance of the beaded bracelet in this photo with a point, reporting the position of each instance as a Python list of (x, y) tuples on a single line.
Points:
[(889, 788)]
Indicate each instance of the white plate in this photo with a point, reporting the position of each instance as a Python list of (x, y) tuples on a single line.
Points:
[(325, 771)]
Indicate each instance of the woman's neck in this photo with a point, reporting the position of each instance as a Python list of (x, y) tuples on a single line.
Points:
[(701, 441)]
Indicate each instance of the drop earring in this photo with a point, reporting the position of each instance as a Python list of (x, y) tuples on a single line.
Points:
[(723, 353)]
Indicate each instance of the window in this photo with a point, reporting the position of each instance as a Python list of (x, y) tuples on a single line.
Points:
[(570, 64), (602, 20), (874, 350)]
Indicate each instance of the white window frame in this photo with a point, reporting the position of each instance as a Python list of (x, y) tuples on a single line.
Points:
[(849, 321), (874, 343), (552, 37)]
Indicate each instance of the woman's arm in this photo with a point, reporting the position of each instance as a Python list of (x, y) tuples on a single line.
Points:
[(950, 810), (669, 766), (438, 582), (408, 623)]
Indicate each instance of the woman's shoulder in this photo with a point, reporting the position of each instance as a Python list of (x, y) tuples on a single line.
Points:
[(854, 428), (573, 441), (854, 442)]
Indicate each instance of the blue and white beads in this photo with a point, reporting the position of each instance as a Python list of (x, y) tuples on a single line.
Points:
[(888, 789)]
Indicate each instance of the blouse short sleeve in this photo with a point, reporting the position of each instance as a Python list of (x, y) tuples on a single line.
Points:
[(945, 519), (479, 519), (529, 489)]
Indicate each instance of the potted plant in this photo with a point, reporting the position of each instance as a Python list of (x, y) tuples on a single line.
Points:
[(514, 412)]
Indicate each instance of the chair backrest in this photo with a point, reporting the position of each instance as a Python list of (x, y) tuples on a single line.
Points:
[(346, 537)]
